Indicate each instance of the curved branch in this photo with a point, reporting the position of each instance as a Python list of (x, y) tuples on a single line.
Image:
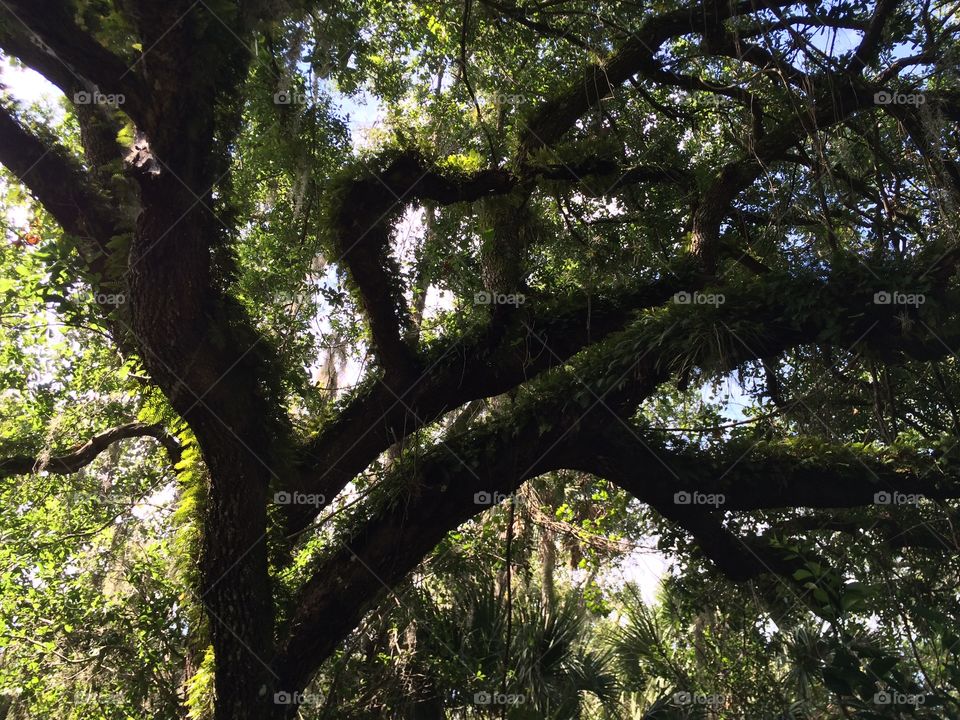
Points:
[(50, 25), (867, 50), (833, 105), (82, 455), (67, 192), (557, 115), (548, 429), (454, 481), (460, 371), (370, 203)]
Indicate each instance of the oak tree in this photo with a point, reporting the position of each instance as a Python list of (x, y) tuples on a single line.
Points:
[(610, 205)]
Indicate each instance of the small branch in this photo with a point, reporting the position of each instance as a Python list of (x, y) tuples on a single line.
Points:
[(464, 28)]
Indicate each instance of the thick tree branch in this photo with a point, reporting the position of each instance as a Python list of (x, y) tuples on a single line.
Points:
[(557, 115), (735, 557), (443, 486), (892, 533), (371, 203), (550, 430), (53, 28), (82, 455), (17, 40), (761, 477), (495, 362), (833, 105), (56, 180), (867, 50), (463, 370)]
